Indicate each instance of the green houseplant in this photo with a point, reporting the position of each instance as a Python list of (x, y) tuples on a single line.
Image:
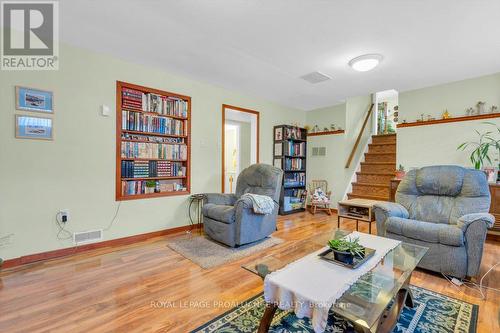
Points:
[(346, 249), (482, 147)]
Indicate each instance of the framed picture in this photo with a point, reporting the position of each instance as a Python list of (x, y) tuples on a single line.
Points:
[(29, 127), (28, 99)]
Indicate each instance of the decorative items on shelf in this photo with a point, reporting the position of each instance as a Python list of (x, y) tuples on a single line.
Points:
[(400, 172), (481, 107), (493, 109), (396, 114), (446, 114)]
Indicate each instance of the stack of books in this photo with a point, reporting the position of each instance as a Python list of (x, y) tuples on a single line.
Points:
[(292, 164), (295, 179), (295, 148)]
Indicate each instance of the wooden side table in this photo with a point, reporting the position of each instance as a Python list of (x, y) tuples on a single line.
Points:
[(357, 209)]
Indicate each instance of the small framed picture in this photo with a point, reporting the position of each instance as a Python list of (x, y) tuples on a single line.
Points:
[(29, 127), (28, 99)]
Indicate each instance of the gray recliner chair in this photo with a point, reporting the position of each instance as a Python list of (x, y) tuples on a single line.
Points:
[(230, 219), (444, 208)]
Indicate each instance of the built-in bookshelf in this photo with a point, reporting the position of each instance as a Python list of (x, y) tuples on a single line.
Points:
[(153, 142), (289, 154)]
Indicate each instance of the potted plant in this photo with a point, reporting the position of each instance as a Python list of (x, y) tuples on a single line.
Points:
[(482, 149), (345, 250), (400, 172), (150, 186)]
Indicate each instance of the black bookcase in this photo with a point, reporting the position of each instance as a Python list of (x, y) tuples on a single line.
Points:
[(289, 154)]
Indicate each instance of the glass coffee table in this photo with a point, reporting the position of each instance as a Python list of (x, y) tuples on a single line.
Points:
[(374, 302)]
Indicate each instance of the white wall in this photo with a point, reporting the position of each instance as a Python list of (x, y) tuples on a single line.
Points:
[(77, 170), (436, 144)]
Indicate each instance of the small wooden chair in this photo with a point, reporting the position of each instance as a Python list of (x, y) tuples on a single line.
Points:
[(319, 205)]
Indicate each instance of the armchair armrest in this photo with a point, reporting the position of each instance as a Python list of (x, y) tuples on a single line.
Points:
[(220, 199), (384, 210), (465, 221), (475, 227)]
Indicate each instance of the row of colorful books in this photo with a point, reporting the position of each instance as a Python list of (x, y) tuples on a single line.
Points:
[(153, 150), (293, 164), (295, 148), (150, 138), (149, 169), (149, 102), (295, 179), (134, 187), (136, 121), (294, 199)]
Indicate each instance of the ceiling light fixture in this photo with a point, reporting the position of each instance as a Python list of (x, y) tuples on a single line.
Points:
[(365, 62)]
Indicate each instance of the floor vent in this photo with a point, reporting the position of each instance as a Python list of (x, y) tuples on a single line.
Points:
[(87, 236)]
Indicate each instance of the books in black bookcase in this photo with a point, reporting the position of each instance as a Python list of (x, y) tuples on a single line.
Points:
[(153, 150), (294, 179), (291, 164), (295, 148), (149, 138), (293, 199), (136, 121)]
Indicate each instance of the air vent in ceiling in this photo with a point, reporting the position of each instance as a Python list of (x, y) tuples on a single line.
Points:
[(87, 236), (315, 77), (319, 151)]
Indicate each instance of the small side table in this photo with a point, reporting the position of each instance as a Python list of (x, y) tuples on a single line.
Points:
[(196, 199), (357, 209)]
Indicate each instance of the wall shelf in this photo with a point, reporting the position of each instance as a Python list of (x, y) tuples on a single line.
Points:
[(449, 120), (153, 142), (326, 133)]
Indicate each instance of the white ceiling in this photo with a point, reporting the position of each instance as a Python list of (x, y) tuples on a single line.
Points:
[(262, 47)]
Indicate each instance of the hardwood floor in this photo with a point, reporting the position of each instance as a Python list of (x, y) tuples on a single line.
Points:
[(147, 287)]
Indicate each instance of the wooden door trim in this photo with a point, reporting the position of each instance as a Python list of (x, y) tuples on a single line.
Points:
[(236, 108)]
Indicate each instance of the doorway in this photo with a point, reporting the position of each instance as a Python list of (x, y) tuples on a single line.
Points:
[(240, 143), (386, 112)]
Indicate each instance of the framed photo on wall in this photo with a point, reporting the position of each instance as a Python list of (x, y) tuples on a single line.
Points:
[(30, 127), (29, 99)]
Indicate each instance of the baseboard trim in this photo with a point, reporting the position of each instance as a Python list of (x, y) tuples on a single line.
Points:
[(27, 259)]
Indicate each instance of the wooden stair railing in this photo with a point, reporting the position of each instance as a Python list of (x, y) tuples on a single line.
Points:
[(356, 144)]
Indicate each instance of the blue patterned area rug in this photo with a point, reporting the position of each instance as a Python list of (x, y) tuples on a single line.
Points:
[(433, 312)]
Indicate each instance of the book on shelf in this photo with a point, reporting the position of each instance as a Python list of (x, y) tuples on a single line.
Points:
[(150, 102), (151, 169), (295, 148), (295, 179), (136, 121), (152, 150), (134, 187), (292, 164), (294, 199)]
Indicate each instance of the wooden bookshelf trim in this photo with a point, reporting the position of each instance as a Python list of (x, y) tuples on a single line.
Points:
[(449, 120), (187, 139), (326, 133)]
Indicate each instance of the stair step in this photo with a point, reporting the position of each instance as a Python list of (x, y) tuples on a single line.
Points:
[(382, 148), (370, 197), (384, 138), (380, 157), (381, 190), (378, 167), (374, 177)]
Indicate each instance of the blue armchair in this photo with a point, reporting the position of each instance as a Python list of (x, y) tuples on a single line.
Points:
[(230, 219), (444, 208)]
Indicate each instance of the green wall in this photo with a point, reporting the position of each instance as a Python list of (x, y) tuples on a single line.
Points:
[(76, 171), (436, 144)]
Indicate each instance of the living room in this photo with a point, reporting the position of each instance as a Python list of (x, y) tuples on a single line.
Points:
[(198, 166)]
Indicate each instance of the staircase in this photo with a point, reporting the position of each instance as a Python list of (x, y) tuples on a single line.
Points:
[(372, 182)]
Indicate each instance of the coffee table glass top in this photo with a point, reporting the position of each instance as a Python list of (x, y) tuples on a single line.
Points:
[(365, 301)]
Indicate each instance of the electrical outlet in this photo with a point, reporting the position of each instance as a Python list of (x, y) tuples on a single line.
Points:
[(63, 216)]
